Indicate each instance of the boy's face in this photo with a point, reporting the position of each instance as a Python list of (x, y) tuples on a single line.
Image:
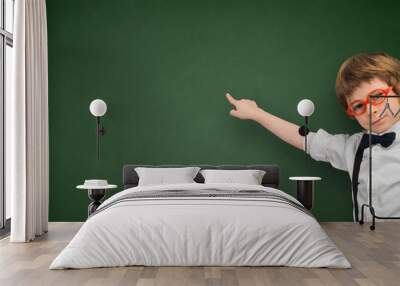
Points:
[(379, 124)]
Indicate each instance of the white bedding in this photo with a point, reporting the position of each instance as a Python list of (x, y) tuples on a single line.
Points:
[(200, 231)]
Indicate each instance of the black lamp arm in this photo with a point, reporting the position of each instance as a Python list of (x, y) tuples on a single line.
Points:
[(303, 130), (99, 130)]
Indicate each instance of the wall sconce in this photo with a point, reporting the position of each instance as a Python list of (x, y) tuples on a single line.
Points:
[(305, 108), (98, 108), (305, 185)]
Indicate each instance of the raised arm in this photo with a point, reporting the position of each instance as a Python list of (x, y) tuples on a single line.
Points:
[(285, 130)]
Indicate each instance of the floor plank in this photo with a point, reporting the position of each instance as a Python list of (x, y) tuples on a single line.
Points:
[(375, 257)]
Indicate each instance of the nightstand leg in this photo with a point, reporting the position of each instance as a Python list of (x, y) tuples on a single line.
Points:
[(96, 196), (93, 207), (305, 193)]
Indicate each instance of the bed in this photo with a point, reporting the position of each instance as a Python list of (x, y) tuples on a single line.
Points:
[(201, 224)]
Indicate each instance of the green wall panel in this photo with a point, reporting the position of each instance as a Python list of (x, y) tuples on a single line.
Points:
[(163, 68)]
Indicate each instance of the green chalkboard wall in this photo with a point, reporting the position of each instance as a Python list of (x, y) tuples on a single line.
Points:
[(163, 68)]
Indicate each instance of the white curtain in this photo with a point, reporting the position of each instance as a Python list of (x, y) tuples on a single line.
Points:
[(27, 124)]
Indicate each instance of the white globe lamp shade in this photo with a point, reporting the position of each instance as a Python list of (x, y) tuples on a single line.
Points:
[(98, 107), (305, 107)]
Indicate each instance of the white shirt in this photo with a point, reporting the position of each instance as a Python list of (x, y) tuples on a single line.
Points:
[(340, 149)]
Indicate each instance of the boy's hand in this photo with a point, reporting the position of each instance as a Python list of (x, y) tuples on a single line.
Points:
[(248, 109), (244, 108)]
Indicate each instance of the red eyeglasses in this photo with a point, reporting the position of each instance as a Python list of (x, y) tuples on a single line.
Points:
[(358, 107)]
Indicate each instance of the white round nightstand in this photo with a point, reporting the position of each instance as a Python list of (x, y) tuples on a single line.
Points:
[(305, 190), (96, 191)]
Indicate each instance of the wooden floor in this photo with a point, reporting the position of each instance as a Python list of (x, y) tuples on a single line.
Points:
[(375, 257)]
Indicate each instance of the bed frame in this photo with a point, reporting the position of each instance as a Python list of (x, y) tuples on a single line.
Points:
[(270, 179)]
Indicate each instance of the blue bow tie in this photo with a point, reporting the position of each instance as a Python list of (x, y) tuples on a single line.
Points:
[(385, 140)]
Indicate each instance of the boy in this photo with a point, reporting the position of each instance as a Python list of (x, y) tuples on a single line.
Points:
[(358, 78)]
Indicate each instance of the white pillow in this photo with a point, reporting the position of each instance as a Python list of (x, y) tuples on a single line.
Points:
[(249, 177), (163, 176)]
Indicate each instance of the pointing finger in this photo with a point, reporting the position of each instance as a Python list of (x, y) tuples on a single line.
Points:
[(230, 99)]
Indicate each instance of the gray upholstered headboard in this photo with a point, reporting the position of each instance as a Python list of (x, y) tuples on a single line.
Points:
[(270, 179)]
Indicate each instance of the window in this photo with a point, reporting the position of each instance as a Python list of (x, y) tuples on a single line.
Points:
[(6, 60)]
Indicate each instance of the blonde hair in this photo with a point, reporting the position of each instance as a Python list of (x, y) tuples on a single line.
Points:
[(364, 67)]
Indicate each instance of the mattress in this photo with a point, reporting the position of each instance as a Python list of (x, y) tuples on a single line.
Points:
[(201, 225)]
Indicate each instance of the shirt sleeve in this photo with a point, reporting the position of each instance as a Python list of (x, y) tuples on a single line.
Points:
[(326, 147)]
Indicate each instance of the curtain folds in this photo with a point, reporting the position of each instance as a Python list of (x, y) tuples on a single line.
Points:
[(27, 121)]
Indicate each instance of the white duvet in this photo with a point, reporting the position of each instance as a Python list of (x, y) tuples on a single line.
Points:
[(200, 231)]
